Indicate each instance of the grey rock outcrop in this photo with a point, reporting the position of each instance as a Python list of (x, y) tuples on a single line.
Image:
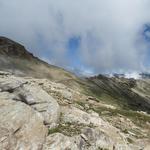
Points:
[(42, 102), (20, 127), (59, 141), (97, 130), (20, 90), (37, 114)]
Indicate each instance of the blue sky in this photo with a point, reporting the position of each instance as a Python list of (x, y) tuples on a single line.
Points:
[(73, 46), (84, 36), (146, 38)]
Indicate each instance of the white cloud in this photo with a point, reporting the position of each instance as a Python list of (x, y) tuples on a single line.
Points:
[(133, 75), (109, 30)]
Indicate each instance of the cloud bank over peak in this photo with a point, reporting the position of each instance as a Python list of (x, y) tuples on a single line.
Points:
[(113, 34)]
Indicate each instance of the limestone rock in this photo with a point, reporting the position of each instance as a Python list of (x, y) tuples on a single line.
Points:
[(29, 106), (40, 101), (95, 139), (20, 127), (58, 141), (10, 83), (89, 139), (147, 147), (21, 89), (76, 116)]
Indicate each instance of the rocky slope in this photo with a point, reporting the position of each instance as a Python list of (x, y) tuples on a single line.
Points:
[(124, 93), (16, 59), (41, 114), (51, 109)]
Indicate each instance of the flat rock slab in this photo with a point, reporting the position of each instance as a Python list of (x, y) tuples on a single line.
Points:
[(105, 134), (20, 127), (59, 141), (21, 89)]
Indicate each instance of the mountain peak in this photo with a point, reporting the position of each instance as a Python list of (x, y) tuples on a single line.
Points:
[(10, 48), (16, 59)]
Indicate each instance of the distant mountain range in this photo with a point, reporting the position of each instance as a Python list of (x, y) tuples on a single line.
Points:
[(133, 75)]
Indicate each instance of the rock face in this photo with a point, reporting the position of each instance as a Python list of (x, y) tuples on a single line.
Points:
[(38, 114), (11, 48), (96, 132), (20, 90), (16, 59), (25, 110), (39, 100), (60, 142), (20, 126)]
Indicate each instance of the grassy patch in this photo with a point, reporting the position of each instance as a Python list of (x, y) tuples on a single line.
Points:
[(81, 103), (55, 130), (125, 131), (102, 148), (130, 140), (137, 118), (67, 129), (104, 96)]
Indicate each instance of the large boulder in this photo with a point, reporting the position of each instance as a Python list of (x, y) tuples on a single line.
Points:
[(41, 101), (74, 115), (59, 141), (9, 83), (89, 139), (20, 127), (101, 131), (22, 89)]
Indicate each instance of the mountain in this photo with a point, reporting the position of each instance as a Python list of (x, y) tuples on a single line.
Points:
[(133, 75), (16, 59), (125, 93), (145, 75), (44, 107)]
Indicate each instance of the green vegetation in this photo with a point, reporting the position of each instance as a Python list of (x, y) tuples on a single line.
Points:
[(67, 129), (54, 130), (116, 92), (125, 131), (137, 118), (90, 89), (102, 148), (129, 140), (81, 103)]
